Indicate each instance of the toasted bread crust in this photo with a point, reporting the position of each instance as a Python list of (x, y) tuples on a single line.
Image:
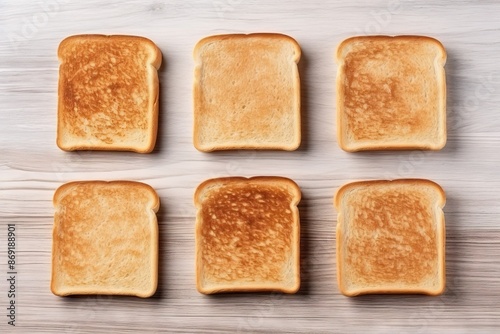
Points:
[(347, 41), (340, 191), (440, 240), (67, 125), (58, 245), (294, 243), (199, 106), (277, 37), (377, 135)]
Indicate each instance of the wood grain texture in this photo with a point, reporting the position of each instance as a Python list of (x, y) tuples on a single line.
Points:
[(32, 167)]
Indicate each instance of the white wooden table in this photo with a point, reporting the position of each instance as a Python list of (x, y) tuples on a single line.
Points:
[(32, 167)]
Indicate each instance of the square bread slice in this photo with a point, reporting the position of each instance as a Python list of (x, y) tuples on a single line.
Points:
[(247, 235), (390, 237), (391, 93), (105, 239), (108, 93), (247, 93)]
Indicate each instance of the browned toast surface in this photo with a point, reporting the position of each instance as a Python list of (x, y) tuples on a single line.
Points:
[(108, 93), (390, 237), (391, 93), (105, 239), (247, 92), (247, 235)]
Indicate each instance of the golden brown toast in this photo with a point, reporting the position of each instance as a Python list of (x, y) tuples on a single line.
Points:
[(247, 92), (391, 93), (105, 239), (108, 93), (390, 237), (247, 235)]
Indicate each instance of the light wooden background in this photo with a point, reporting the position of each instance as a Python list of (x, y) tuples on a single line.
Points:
[(32, 167)]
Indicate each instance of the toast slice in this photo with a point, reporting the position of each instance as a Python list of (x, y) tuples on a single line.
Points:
[(247, 235), (105, 239), (390, 237), (108, 93), (391, 93), (247, 93)]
